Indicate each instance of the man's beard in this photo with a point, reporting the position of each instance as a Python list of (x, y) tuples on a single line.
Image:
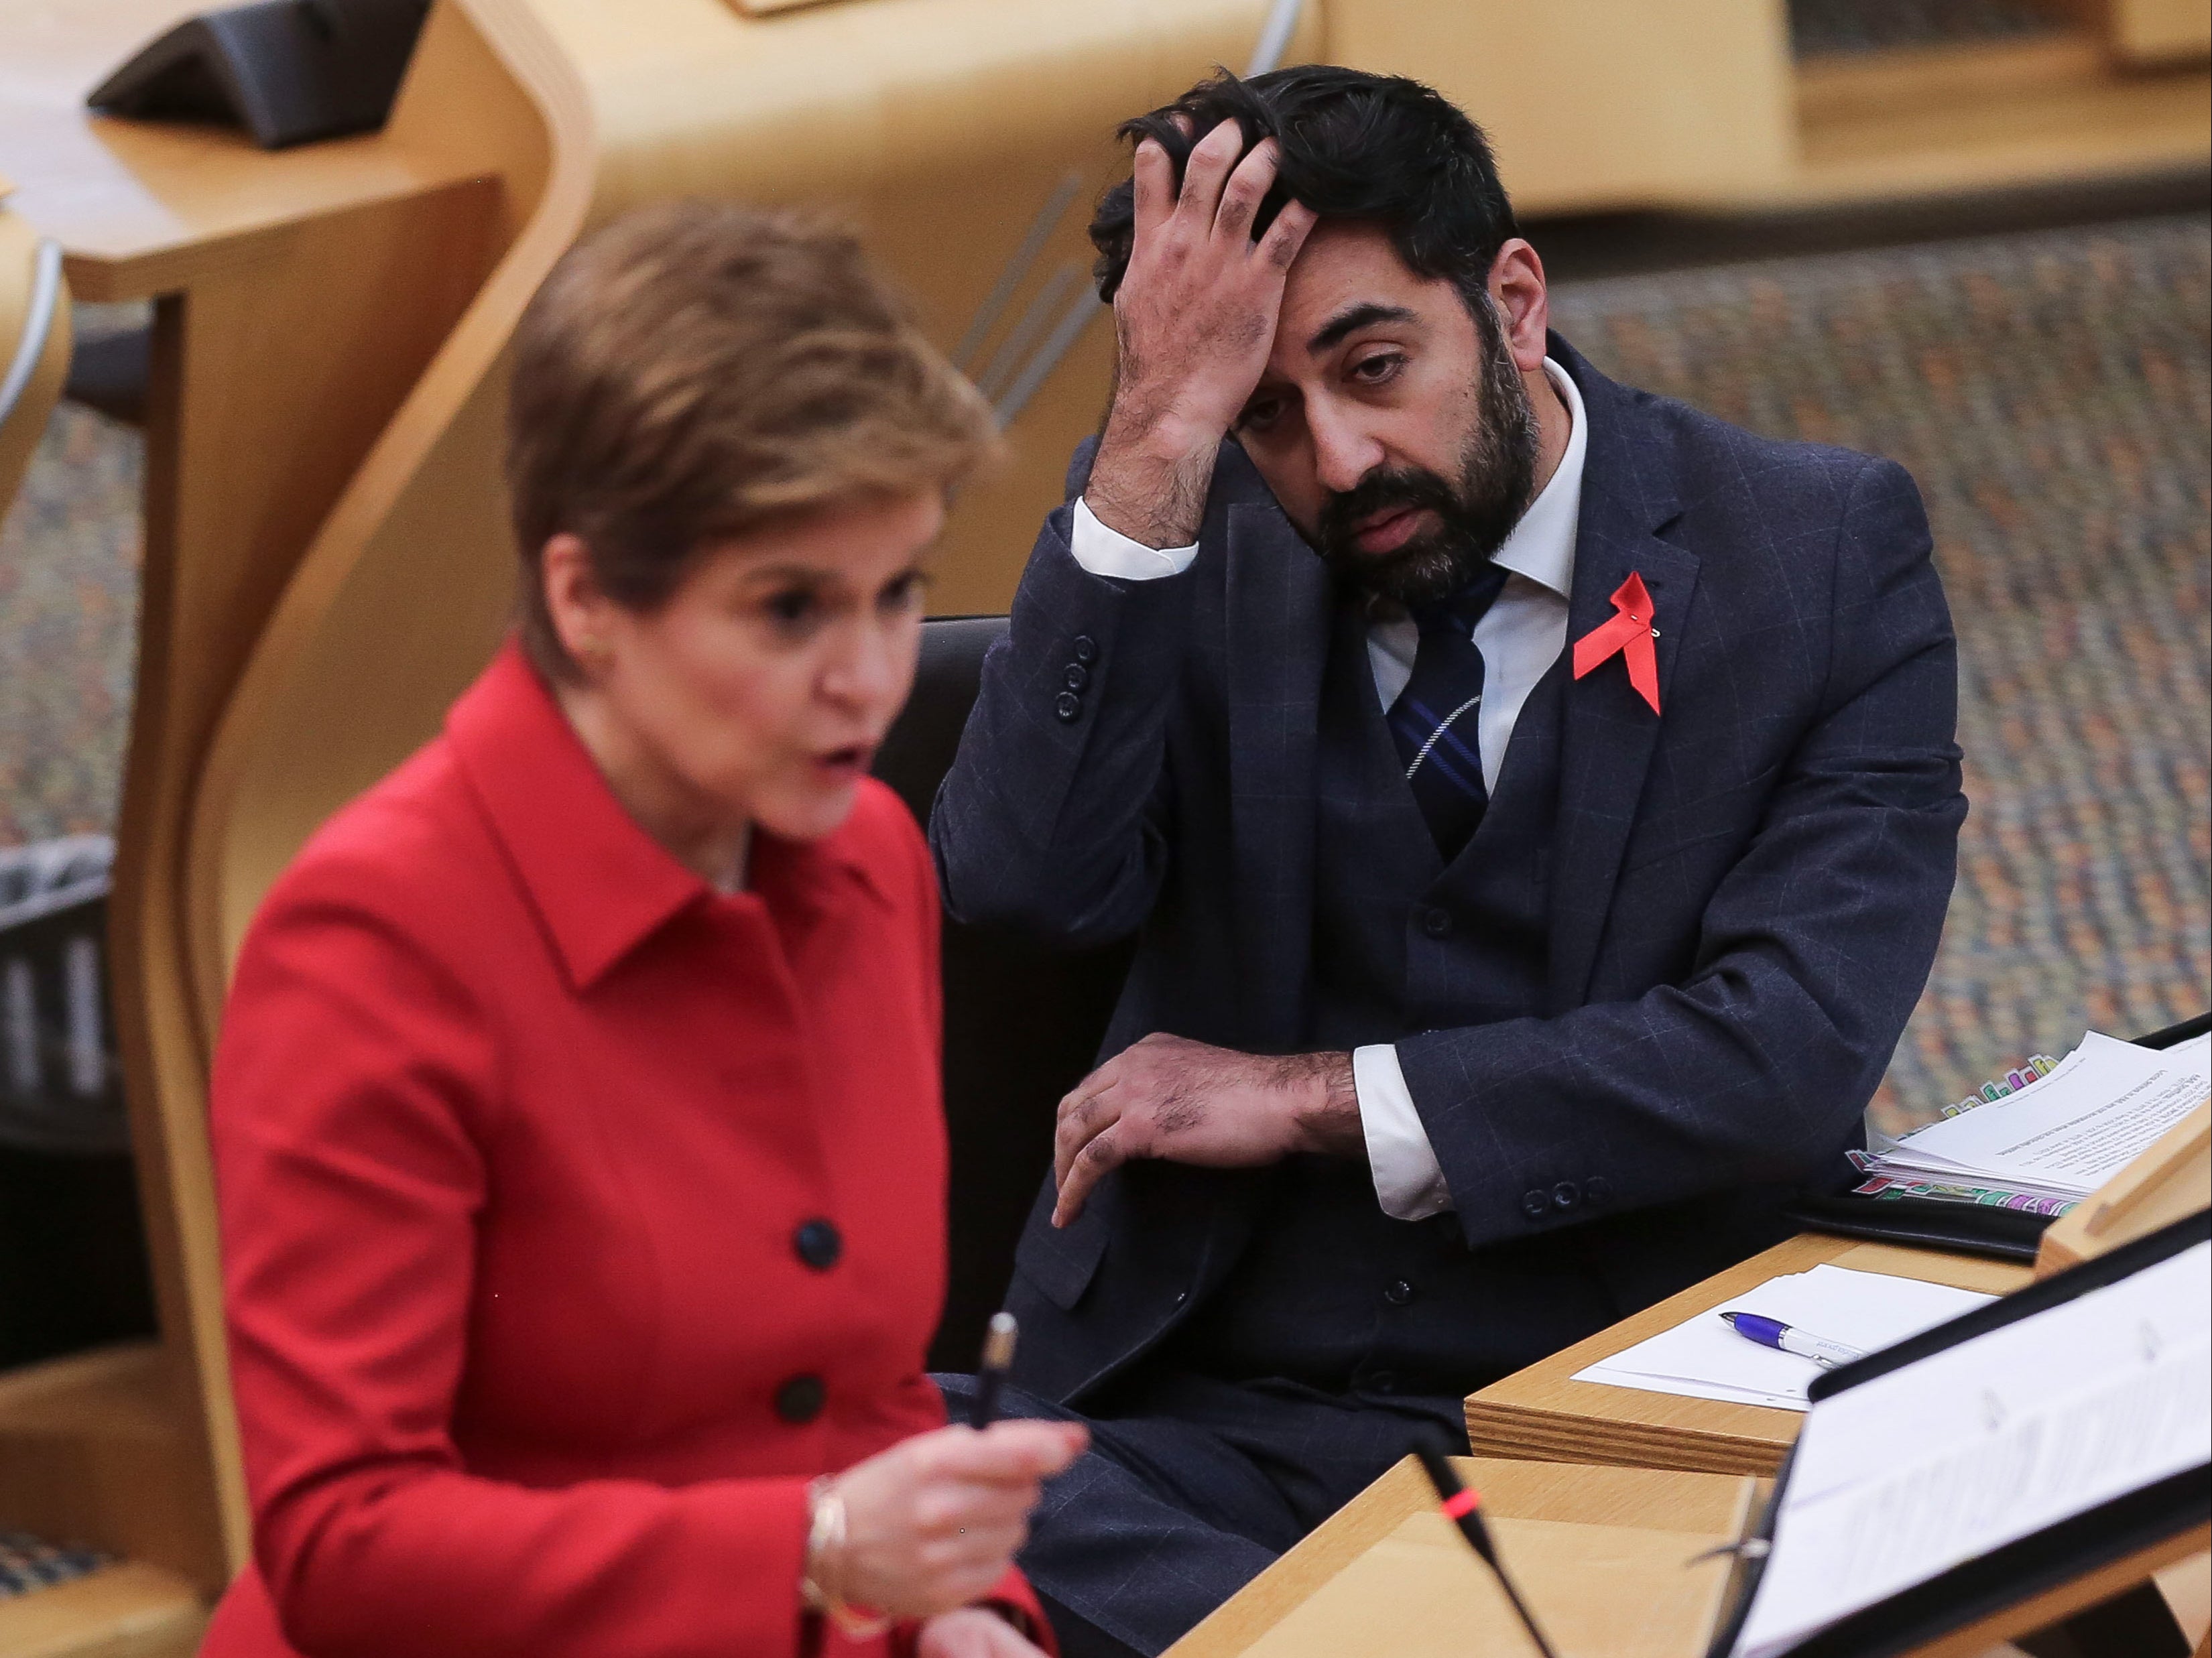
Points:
[(1496, 474)]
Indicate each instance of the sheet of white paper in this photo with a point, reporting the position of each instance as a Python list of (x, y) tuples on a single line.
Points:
[(1866, 1310), (2074, 1129), (1902, 1478)]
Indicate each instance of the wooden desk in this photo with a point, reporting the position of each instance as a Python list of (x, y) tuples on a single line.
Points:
[(1541, 1412), (1602, 1554)]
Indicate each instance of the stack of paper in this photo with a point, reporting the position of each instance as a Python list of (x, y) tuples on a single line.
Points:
[(1706, 1359), (2064, 1135)]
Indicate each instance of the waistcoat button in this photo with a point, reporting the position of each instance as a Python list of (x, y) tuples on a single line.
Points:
[(800, 1400), (820, 1244), (1436, 923), (1399, 1293)]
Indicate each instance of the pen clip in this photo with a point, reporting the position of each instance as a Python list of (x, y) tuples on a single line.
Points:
[(1749, 1548)]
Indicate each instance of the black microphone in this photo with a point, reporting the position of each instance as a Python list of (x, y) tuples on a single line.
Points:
[(1464, 1509)]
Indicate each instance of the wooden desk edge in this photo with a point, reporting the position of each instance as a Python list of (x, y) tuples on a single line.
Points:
[(1543, 1414)]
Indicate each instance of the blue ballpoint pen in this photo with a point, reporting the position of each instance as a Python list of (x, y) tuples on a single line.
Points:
[(1773, 1333)]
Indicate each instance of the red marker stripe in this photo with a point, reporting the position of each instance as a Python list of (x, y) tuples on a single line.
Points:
[(1461, 1505)]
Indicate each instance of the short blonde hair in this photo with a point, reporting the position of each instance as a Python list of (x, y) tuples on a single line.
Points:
[(695, 370)]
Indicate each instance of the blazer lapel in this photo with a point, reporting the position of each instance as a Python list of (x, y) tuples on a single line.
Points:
[(1277, 613), (1609, 732)]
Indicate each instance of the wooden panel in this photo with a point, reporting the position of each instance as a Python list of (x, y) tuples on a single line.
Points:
[(98, 1450), (2162, 31), (124, 1611), (142, 206), (1542, 1413), (1596, 103), (1979, 117)]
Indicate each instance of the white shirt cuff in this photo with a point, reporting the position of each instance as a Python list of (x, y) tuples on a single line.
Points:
[(1109, 552), (1408, 1182)]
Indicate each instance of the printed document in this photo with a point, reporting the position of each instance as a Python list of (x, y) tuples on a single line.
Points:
[(1703, 1358), (1901, 1478)]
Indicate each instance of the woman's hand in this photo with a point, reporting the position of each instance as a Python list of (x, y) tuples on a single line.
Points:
[(932, 1524), (972, 1632)]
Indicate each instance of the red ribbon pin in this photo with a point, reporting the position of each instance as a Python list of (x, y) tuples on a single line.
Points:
[(1629, 632)]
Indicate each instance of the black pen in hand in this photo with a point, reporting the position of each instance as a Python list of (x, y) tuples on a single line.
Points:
[(991, 1374)]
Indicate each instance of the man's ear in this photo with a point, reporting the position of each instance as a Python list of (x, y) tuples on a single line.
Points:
[(1516, 287)]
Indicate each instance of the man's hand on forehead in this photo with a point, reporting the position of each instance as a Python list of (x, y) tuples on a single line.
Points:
[(1194, 319)]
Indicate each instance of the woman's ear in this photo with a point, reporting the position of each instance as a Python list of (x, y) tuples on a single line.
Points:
[(574, 602), (1517, 285)]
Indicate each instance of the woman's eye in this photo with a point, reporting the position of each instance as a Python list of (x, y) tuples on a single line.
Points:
[(904, 593), (792, 608), (1259, 416)]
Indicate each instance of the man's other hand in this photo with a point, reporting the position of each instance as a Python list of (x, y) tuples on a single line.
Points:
[(1169, 1097), (1195, 319)]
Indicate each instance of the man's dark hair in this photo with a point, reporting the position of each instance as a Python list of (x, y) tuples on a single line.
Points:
[(1379, 147)]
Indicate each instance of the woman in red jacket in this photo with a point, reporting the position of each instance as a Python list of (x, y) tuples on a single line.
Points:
[(576, 1110)]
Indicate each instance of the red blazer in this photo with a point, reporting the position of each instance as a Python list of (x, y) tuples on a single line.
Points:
[(574, 1215)]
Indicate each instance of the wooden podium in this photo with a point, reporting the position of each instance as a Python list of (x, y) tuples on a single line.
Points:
[(1607, 1558), (2171, 1178), (1604, 1556)]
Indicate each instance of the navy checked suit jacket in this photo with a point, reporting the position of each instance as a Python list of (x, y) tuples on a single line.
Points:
[(1745, 895)]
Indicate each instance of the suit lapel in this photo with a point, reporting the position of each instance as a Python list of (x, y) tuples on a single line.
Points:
[(1609, 732), (1277, 604)]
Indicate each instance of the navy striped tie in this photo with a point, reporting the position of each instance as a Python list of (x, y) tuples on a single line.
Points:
[(1435, 720)]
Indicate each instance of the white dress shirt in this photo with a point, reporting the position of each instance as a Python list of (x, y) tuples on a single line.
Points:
[(1520, 636)]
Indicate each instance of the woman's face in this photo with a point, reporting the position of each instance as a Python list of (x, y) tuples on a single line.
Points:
[(758, 693)]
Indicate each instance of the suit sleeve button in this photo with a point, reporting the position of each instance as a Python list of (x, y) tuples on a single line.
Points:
[(1534, 1205), (800, 1400), (820, 1244), (1068, 705), (1436, 922), (1085, 649), (1566, 1194), (1076, 678), (1598, 1189)]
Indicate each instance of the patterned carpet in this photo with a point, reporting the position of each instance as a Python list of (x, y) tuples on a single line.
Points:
[(68, 619), (2050, 392)]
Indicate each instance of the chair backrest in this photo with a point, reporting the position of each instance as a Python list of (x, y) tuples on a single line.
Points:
[(1022, 1023), (34, 342)]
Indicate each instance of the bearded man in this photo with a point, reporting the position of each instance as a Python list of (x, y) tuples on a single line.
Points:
[(1535, 802)]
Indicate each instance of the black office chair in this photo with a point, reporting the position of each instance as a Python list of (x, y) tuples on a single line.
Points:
[(1022, 1023)]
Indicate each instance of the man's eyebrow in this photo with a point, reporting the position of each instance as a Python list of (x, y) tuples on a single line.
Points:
[(1355, 317)]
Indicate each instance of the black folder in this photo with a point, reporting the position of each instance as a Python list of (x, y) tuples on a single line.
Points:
[(2043, 1560)]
